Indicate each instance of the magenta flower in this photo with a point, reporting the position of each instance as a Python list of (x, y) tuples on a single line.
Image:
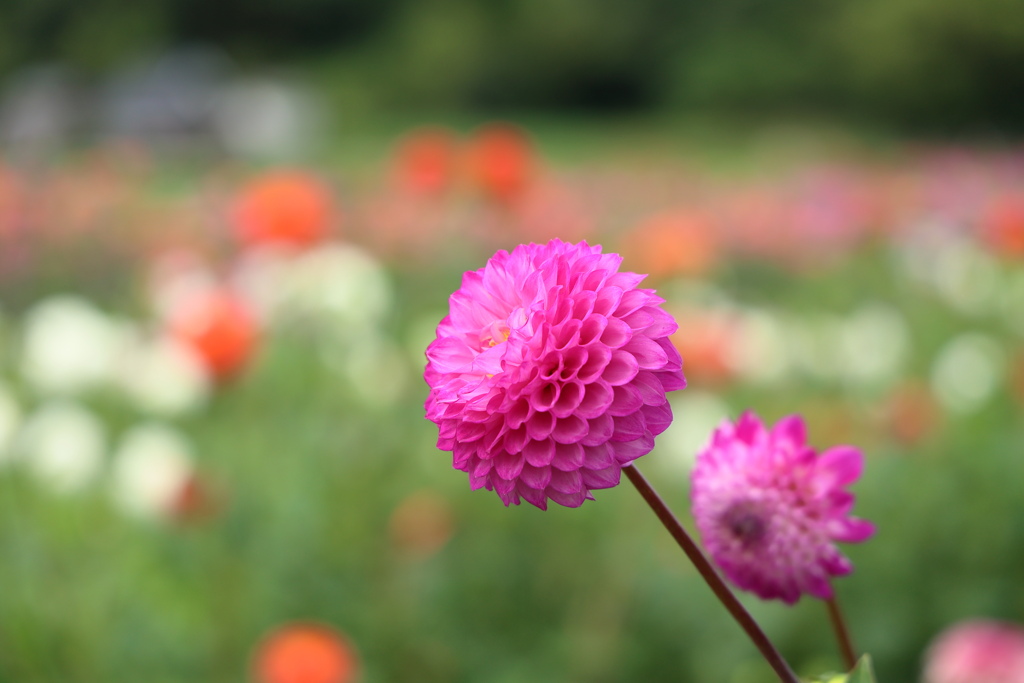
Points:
[(976, 651), (549, 373), (770, 510)]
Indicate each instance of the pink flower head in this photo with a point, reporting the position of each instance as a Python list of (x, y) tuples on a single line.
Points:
[(549, 373), (769, 508), (976, 651)]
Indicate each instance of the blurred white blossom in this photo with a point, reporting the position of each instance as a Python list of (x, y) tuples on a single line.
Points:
[(164, 377), (967, 371), (63, 445), (375, 367), (874, 344), (10, 420), (69, 345), (696, 414), (763, 355), (151, 467)]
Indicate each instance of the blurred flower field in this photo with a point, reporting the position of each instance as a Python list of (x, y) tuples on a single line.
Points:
[(213, 451)]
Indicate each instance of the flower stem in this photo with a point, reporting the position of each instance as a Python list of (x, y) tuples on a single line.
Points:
[(738, 611), (842, 633)]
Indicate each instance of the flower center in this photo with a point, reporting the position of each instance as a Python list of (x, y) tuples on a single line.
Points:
[(745, 522), (494, 334)]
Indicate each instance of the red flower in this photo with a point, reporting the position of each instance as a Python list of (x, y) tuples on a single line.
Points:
[(284, 208), (426, 160), (304, 653), (501, 161), (219, 327)]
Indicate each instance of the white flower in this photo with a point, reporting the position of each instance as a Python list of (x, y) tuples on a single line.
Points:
[(762, 356), (164, 377), (696, 414), (63, 445), (967, 372), (69, 345), (152, 466), (375, 367), (874, 344), (10, 419)]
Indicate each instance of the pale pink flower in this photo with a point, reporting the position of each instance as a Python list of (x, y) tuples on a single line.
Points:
[(770, 509), (976, 651), (549, 374)]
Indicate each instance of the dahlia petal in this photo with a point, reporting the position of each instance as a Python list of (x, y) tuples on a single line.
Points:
[(853, 530), (539, 453), (674, 361), (515, 439), (631, 301), (602, 479), (583, 305), (569, 429), (838, 467), (607, 300), (597, 396), (481, 467), (627, 400), (598, 357), (599, 430), (657, 418), (568, 456), (570, 500), (569, 399), (663, 323), (593, 328), (617, 333), (819, 586), (508, 465), (629, 427), (566, 482), (572, 360), (791, 428), (672, 381), (535, 477), (639, 319), (599, 457), (567, 335), (533, 496), (651, 391), (502, 485), (648, 352), (546, 396), (627, 281), (621, 369), (517, 414), (628, 451), (539, 426)]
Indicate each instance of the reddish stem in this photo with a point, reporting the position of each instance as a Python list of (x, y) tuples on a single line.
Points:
[(842, 633), (736, 609)]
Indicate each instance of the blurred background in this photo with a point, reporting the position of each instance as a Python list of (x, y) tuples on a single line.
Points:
[(228, 230)]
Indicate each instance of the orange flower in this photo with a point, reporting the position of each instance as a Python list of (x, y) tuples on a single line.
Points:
[(1002, 225), (304, 653), (500, 161), (218, 326), (676, 242), (283, 208), (426, 160), (706, 342)]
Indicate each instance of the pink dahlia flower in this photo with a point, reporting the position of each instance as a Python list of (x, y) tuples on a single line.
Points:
[(549, 373), (976, 651), (770, 509)]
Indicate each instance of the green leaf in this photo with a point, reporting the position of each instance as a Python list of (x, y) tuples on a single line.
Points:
[(862, 673)]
